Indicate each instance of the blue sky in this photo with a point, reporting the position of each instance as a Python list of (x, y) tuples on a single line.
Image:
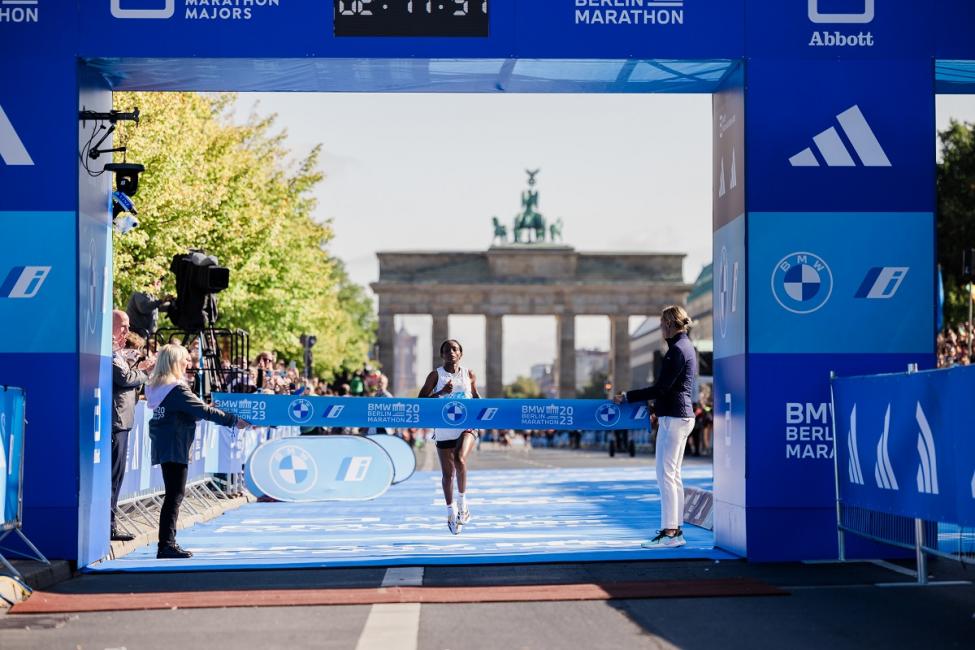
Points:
[(403, 172)]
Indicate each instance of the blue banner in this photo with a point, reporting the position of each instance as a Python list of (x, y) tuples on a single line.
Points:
[(320, 468), (903, 445), (11, 455), (559, 414)]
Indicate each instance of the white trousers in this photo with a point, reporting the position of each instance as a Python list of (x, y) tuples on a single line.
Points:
[(671, 442)]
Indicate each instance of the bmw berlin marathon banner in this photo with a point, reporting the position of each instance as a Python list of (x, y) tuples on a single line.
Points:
[(904, 447), (564, 415)]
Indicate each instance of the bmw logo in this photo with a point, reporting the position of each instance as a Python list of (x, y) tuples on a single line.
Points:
[(301, 411), (802, 282), (608, 414), (293, 469), (454, 413)]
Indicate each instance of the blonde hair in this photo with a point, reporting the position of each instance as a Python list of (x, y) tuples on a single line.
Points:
[(676, 317), (167, 361)]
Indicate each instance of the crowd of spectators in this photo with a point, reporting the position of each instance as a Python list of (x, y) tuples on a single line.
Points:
[(953, 346)]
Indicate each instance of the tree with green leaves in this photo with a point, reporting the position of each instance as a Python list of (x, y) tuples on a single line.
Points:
[(956, 213), (225, 187), (522, 388)]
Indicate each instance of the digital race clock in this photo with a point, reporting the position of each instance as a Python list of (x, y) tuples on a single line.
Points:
[(411, 17)]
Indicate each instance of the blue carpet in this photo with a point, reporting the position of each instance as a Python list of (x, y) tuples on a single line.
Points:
[(519, 516)]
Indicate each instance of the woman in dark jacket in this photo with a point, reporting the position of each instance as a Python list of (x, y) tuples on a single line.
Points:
[(175, 412), (672, 395)]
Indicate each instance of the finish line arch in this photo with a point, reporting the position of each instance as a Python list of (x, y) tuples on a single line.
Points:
[(823, 186)]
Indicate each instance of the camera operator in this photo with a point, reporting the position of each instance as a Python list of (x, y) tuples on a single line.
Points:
[(126, 382), (143, 309)]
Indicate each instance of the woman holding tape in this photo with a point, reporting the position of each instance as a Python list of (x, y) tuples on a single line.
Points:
[(175, 412), (453, 445), (672, 394)]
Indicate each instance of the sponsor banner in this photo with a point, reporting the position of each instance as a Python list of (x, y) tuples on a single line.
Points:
[(11, 455), (38, 125), (841, 282), (902, 447), (728, 159), (853, 29), (790, 426), (840, 136), (630, 28), (400, 452), (37, 280), (320, 468), (954, 20), (729, 298), (565, 415)]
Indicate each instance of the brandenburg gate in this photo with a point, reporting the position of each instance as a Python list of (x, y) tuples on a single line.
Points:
[(527, 280), (527, 277)]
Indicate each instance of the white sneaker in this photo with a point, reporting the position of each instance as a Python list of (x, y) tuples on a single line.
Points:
[(665, 541), (463, 517), (452, 525)]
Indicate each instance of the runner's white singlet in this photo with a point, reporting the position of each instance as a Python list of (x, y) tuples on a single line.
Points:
[(462, 390)]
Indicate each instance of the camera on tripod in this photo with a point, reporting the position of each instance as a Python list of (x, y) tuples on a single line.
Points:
[(199, 277)]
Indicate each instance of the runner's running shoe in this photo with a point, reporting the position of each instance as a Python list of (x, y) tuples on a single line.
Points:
[(663, 540), (452, 525), (464, 516)]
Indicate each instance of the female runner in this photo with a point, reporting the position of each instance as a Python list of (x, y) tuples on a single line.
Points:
[(453, 445)]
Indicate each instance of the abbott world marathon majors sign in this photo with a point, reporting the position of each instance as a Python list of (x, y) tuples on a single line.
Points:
[(823, 196)]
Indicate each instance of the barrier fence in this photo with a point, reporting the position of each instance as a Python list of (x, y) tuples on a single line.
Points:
[(905, 461), (13, 427), (217, 451)]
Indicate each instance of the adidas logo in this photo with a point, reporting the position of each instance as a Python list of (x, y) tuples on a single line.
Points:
[(833, 150)]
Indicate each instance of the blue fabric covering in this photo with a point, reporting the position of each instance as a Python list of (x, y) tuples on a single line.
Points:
[(416, 75), (519, 516), (954, 77)]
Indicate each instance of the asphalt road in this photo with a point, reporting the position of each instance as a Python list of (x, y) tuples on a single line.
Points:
[(827, 606)]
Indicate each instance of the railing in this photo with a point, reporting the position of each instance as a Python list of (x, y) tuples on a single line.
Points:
[(904, 462), (13, 428)]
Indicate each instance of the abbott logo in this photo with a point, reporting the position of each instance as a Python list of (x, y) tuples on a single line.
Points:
[(883, 471), (164, 9), (882, 282), (835, 153), (24, 281), (861, 18)]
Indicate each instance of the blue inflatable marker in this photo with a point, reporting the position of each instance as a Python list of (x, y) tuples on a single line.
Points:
[(401, 453), (320, 468)]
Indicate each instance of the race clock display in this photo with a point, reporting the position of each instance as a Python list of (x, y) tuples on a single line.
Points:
[(411, 17)]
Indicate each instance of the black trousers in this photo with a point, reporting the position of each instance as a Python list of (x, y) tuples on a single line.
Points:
[(120, 447), (174, 477)]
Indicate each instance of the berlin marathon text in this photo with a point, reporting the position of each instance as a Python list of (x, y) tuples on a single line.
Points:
[(225, 9), (629, 12)]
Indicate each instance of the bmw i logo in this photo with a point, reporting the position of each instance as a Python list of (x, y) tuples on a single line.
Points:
[(300, 411), (454, 413), (608, 414), (293, 469), (802, 282)]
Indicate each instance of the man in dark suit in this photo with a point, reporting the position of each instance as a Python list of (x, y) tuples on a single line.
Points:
[(126, 382)]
